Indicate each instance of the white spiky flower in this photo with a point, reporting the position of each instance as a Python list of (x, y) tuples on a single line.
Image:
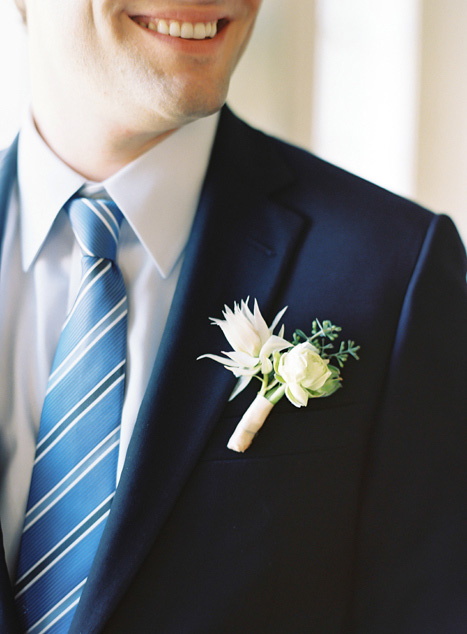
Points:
[(252, 340)]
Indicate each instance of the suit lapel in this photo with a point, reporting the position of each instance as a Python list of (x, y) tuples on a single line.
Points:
[(8, 619), (240, 244), (8, 161)]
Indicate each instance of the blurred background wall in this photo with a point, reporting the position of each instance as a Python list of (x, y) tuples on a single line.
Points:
[(376, 86)]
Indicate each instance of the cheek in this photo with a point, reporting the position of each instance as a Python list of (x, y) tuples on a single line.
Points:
[(252, 10), (253, 5)]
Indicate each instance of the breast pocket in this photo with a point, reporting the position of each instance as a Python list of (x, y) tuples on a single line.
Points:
[(289, 430)]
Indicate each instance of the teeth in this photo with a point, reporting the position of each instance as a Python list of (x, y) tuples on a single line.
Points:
[(175, 29), (199, 31), (185, 30), (163, 27)]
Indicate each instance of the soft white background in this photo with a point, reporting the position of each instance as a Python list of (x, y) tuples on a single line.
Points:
[(376, 86)]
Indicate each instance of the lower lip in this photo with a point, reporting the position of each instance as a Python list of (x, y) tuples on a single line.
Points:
[(207, 45)]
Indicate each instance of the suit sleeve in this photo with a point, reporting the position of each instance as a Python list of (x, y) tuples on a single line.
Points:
[(412, 553)]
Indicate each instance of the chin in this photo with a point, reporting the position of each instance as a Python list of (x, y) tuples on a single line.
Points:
[(194, 102)]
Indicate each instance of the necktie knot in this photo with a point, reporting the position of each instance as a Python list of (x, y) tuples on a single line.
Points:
[(96, 225)]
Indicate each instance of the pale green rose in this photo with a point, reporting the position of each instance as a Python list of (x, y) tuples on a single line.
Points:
[(305, 374)]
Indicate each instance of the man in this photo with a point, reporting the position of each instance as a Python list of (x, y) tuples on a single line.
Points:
[(347, 515)]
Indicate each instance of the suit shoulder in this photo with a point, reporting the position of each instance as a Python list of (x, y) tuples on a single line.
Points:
[(366, 222), (316, 183), (340, 189)]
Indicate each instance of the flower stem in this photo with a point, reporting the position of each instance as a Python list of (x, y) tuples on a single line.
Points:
[(276, 395), (264, 386), (250, 424)]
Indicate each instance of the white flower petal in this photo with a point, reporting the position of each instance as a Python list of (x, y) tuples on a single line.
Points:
[(293, 367), (241, 384), (251, 340), (239, 371), (276, 320), (243, 359), (272, 344), (302, 367), (266, 366), (296, 394), (217, 358), (240, 333), (316, 383), (244, 309), (260, 325)]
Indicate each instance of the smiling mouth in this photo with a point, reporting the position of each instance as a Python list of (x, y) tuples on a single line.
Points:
[(184, 30)]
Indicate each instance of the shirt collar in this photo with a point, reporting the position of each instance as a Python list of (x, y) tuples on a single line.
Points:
[(45, 184), (157, 193)]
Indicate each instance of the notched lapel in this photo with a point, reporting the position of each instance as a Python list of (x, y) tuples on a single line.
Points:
[(240, 245)]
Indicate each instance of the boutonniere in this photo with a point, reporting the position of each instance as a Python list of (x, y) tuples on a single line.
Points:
[(299, 369)]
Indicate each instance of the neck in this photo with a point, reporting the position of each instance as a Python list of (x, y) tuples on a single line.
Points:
[(95, 151)]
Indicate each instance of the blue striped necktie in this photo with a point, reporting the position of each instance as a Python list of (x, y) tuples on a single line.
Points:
[(74, 474)]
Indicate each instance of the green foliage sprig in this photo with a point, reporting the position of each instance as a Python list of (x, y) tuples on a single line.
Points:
[(322, 336)]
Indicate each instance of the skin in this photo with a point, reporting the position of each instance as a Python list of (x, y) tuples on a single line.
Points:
[(105, 90)]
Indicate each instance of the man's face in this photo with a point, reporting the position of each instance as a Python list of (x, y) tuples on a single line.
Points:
[(126, 59)]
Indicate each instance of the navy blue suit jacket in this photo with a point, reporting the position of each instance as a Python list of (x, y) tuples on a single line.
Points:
[(348, 515)]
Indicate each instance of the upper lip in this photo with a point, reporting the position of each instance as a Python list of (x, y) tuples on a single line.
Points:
[(208, 14)]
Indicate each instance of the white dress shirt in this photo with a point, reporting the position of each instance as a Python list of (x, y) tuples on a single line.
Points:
[(40, 274)]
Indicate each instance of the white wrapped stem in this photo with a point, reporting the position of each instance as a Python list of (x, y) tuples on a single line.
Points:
[(250, 423)]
